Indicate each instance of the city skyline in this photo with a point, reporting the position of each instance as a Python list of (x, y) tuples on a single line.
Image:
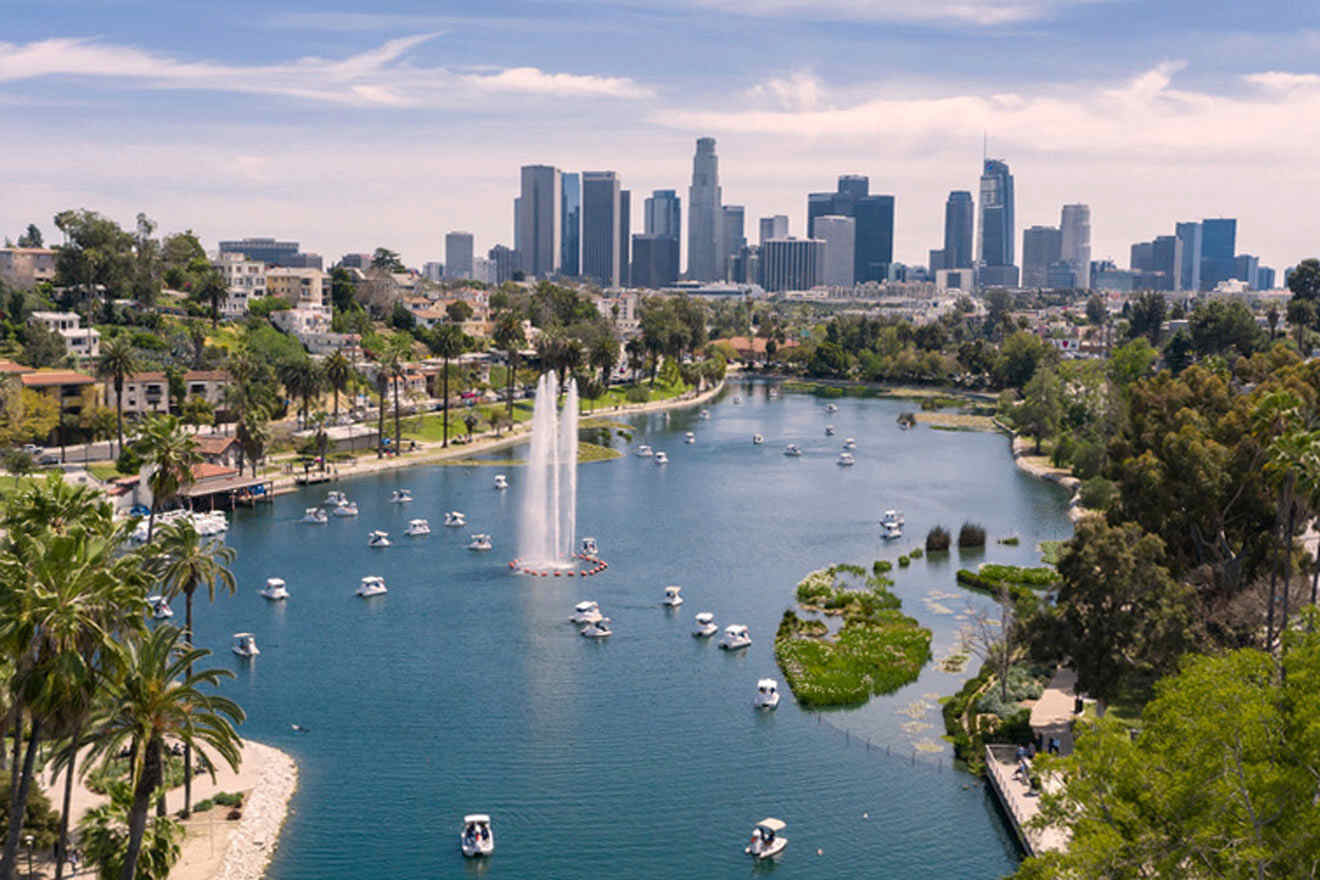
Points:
[(1168, 123)]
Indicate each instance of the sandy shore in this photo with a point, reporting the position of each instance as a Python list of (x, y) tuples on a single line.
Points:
[(1039, 466)]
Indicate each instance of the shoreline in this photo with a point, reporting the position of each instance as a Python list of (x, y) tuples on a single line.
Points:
[(1039, 466), (253, 843), (486, 442)]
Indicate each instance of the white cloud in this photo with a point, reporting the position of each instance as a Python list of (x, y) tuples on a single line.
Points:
[(980, 13), (1283, 81), (380, 77), (796, 92)]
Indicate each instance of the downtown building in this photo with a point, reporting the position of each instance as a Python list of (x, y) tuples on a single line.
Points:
[(1041, 248), (602, 223), (285, 254), (996, 264), (773, 227), (655, 253), (539, 227), (791, 263), (840, 236), (705, 217), (458, 255), (959, 224), (570, 212), (874, 224), (1075, 243), (732, 234)]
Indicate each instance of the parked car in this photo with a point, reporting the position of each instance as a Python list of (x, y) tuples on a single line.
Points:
[(48, 459), (32, 449)]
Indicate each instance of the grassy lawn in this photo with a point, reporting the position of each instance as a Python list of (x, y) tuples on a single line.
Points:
[(104, 472), (618, 396), (431, 427)]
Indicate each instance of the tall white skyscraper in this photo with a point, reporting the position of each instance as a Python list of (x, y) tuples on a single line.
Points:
[(840, 237), (704, 215), (1075, 228), (458, 255), (539, 231)]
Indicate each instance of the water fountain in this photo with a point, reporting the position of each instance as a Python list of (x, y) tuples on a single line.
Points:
[(547, 531)]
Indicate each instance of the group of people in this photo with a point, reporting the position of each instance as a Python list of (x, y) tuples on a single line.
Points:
[(475, 832), (1026, 753)]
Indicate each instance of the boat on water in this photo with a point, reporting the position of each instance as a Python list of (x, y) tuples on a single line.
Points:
[(689, 437), (705, 413), (831, 407), (643, 451), (348, 508), (737, 399), (891, 517), (891, 531), (846, 459), (160, 607), (850, 444), (206, 524), (589, 547), (767, 839), (672, 597), (372, 585), (417, 528), (829, 430), (454, 519), (757, 439), (585, 611), (661, 458), (501, 481), (401, 496), (334, 498), (476, 839), (735, 637), (767, 694), (315, 515), (598, 629), (793, 450), (705, 627), (480, 542), (378, 539), (245, 645), (275, 589)]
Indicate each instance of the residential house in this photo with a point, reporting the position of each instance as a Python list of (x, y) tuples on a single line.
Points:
[(218, 449), (72, 392), (144, 393), (85, 342), (25, 268), (244, 279), (302, 288), (208, 384)]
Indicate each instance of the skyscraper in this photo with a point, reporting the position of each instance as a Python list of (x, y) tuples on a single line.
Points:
[(840, 237), (517, 233), (1166, 258), (791, 263), (1247, 268), (458, 255), (1142, 257), (600, 227), (874, 216), (773, 227), (1075, 243), (1218, 249), (625, 236), (1190, 236), (704, 219), (663, 214), (1041, 246), (958, 224), (732, 237), (540, 220), (654, 260), (570, 261), (997, 225)]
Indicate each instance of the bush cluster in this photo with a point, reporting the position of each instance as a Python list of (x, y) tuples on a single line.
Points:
[(904, 562), (937, 540), (1098, 493), (971, 535)]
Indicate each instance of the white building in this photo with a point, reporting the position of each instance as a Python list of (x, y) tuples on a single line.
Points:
[(26, 267), (484, 270), (302, 320), (244, 279), (85, 342), (301, 287), (1075, 227), (840, 236)]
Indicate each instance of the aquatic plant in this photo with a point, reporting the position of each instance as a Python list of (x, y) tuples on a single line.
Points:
[(916, 553), (1010, 541), (971, 535), (882, 566), (904, 562), (937, 540)]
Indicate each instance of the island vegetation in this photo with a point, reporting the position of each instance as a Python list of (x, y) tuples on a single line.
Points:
[(876, 650)]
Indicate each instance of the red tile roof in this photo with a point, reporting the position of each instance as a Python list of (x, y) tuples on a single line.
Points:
[(11, 367), (206, 376), (55, 377), (207, 471), (214, 444), (144, 377)]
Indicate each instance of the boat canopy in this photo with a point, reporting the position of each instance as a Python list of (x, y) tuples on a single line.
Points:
[(274, 582), (154, 599), (477, 818), (671, 590), (705, 617), (772, 824), (417, 522), (373, 579), (584, 606), (767, 684), (238, 636), (736, 629)]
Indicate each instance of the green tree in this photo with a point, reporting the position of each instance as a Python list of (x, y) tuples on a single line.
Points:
[(1220, 327), (1178, 352), (168, 453), (302, 380), (1304, 280), (1146, 317), (342, 289), (31, 237), (338, 371), (19, 464), (118, 361), (446, 342), (1131, 361), (458, 311), (156, 699), (828, 360), (1041, 408), (1096, 310), (97, 253), (42, 347), (186, 562), (401, 318), (386, 260), (104, 838), (394, 361), (509, 337), (197, 411), (1019, 356)]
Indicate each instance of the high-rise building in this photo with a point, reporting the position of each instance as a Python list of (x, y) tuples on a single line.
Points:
[(791, 263), (732, 233), (1041, 247), (540, 220), (773, 227), (502, 257), (1166, 260), (705, 261), (432, 271), (1247, 268), (517, 233), (819, 205), (285, 254), (1190, 236), (1060, 276), (959, 220), (997, 225), (747, 266), (1265, 277), (854, 186), (600, 227), (570, 258), (663, 214), (1142, 258), (654, 260), (1075, 243), (938, 260), (840, 237), (458, 255), (625, 237), (1218, 251), (875, 238)]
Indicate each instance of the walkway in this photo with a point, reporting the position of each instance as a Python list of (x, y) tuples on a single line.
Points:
[(1021, 804)]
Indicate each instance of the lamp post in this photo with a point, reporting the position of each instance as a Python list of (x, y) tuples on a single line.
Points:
[(29, 840)]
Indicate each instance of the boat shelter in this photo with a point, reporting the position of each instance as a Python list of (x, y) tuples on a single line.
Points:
[(218, 487)]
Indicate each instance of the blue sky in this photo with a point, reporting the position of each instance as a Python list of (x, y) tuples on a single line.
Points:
[(349, 128)]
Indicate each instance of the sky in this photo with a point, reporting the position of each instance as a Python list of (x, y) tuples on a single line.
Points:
[(349, 127)]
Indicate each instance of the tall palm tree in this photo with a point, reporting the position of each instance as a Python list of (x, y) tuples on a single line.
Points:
[(397, 351), (301, 379), (118, 360), (447, 341), (155, 697), (382, 391), (170, 452), (338, 370), (509, 336), (253, 433), (188, 561)]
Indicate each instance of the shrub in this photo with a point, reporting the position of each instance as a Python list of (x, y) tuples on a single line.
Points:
[(937, 540), (882, 566), (1098, 493), (637, 394), (1063, 450), (1010, 541), (916, 553), (971, 535), (904, 562), (129, 462), (228, 799), (203, 806), (1087, 457)]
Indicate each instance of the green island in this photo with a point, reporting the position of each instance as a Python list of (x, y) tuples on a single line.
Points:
[(1019, 582), (877, 650)]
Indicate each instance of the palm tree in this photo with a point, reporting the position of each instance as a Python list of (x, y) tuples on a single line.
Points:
[(447, 342), (395, 362), (636, 356), (337, 370), (171, 452), (103, 834), (118, 360), (154, 698), (253, 433), (186, 562), (301, 379), (603, 354), (509, 336), (382, 391)]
